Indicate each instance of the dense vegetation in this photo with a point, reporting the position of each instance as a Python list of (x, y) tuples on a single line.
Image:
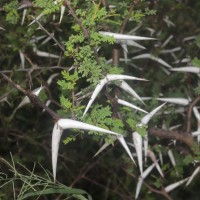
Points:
[(60, 53)]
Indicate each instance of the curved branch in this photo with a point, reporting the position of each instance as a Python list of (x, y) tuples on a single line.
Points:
[(161, 192), (116, 47), (33, 98), (124, 23), (85, 31), (174, 135), (49, 34), (72, 12), (189, 114)]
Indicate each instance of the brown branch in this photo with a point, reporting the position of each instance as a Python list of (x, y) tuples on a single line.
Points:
[(106, 5), (189, 114), (115, 54), (161, 192), (116, 47), (85, 31), (106, 188), (49, 34), (124, 23), (174, 135), (33, 98)]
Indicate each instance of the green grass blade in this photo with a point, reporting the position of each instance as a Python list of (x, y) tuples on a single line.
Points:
[(55, 190)]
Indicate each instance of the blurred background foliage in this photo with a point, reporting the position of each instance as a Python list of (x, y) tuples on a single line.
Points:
[(27, 136)]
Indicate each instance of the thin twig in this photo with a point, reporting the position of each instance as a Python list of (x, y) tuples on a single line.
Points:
[(106, 5), (34, 68), (124, 23), (161, 192), (85, 31), (189, 114), (33, 98), (116, 47), (49, 34)]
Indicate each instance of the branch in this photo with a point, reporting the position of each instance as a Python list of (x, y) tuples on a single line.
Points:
[(85, 169), (49, 34), (33, 98), (106, 5), (184, 137), (85, 31), (115, 54), (116, 47), (161, 192), (106, 188), (189, 114), (124, 23)]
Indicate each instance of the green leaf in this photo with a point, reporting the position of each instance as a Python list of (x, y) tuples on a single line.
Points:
[(188, 159), (196, 62), (141, 129), (68, 140), (49, 6), (12, 14), (131, 123), (66, 104)]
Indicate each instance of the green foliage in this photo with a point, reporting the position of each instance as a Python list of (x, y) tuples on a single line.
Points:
[(48, 6), (197, 90), (68, 140), (88, 64), (192, 158), (158, 182), (139, 14), (97, 39), (102, 117), (12, 15), (198, 41), (84, 58), (69, 80), (85, 63), (65, 102), (92, 16), (32, 185), (132, 123), (84, 50), (114, 70)]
